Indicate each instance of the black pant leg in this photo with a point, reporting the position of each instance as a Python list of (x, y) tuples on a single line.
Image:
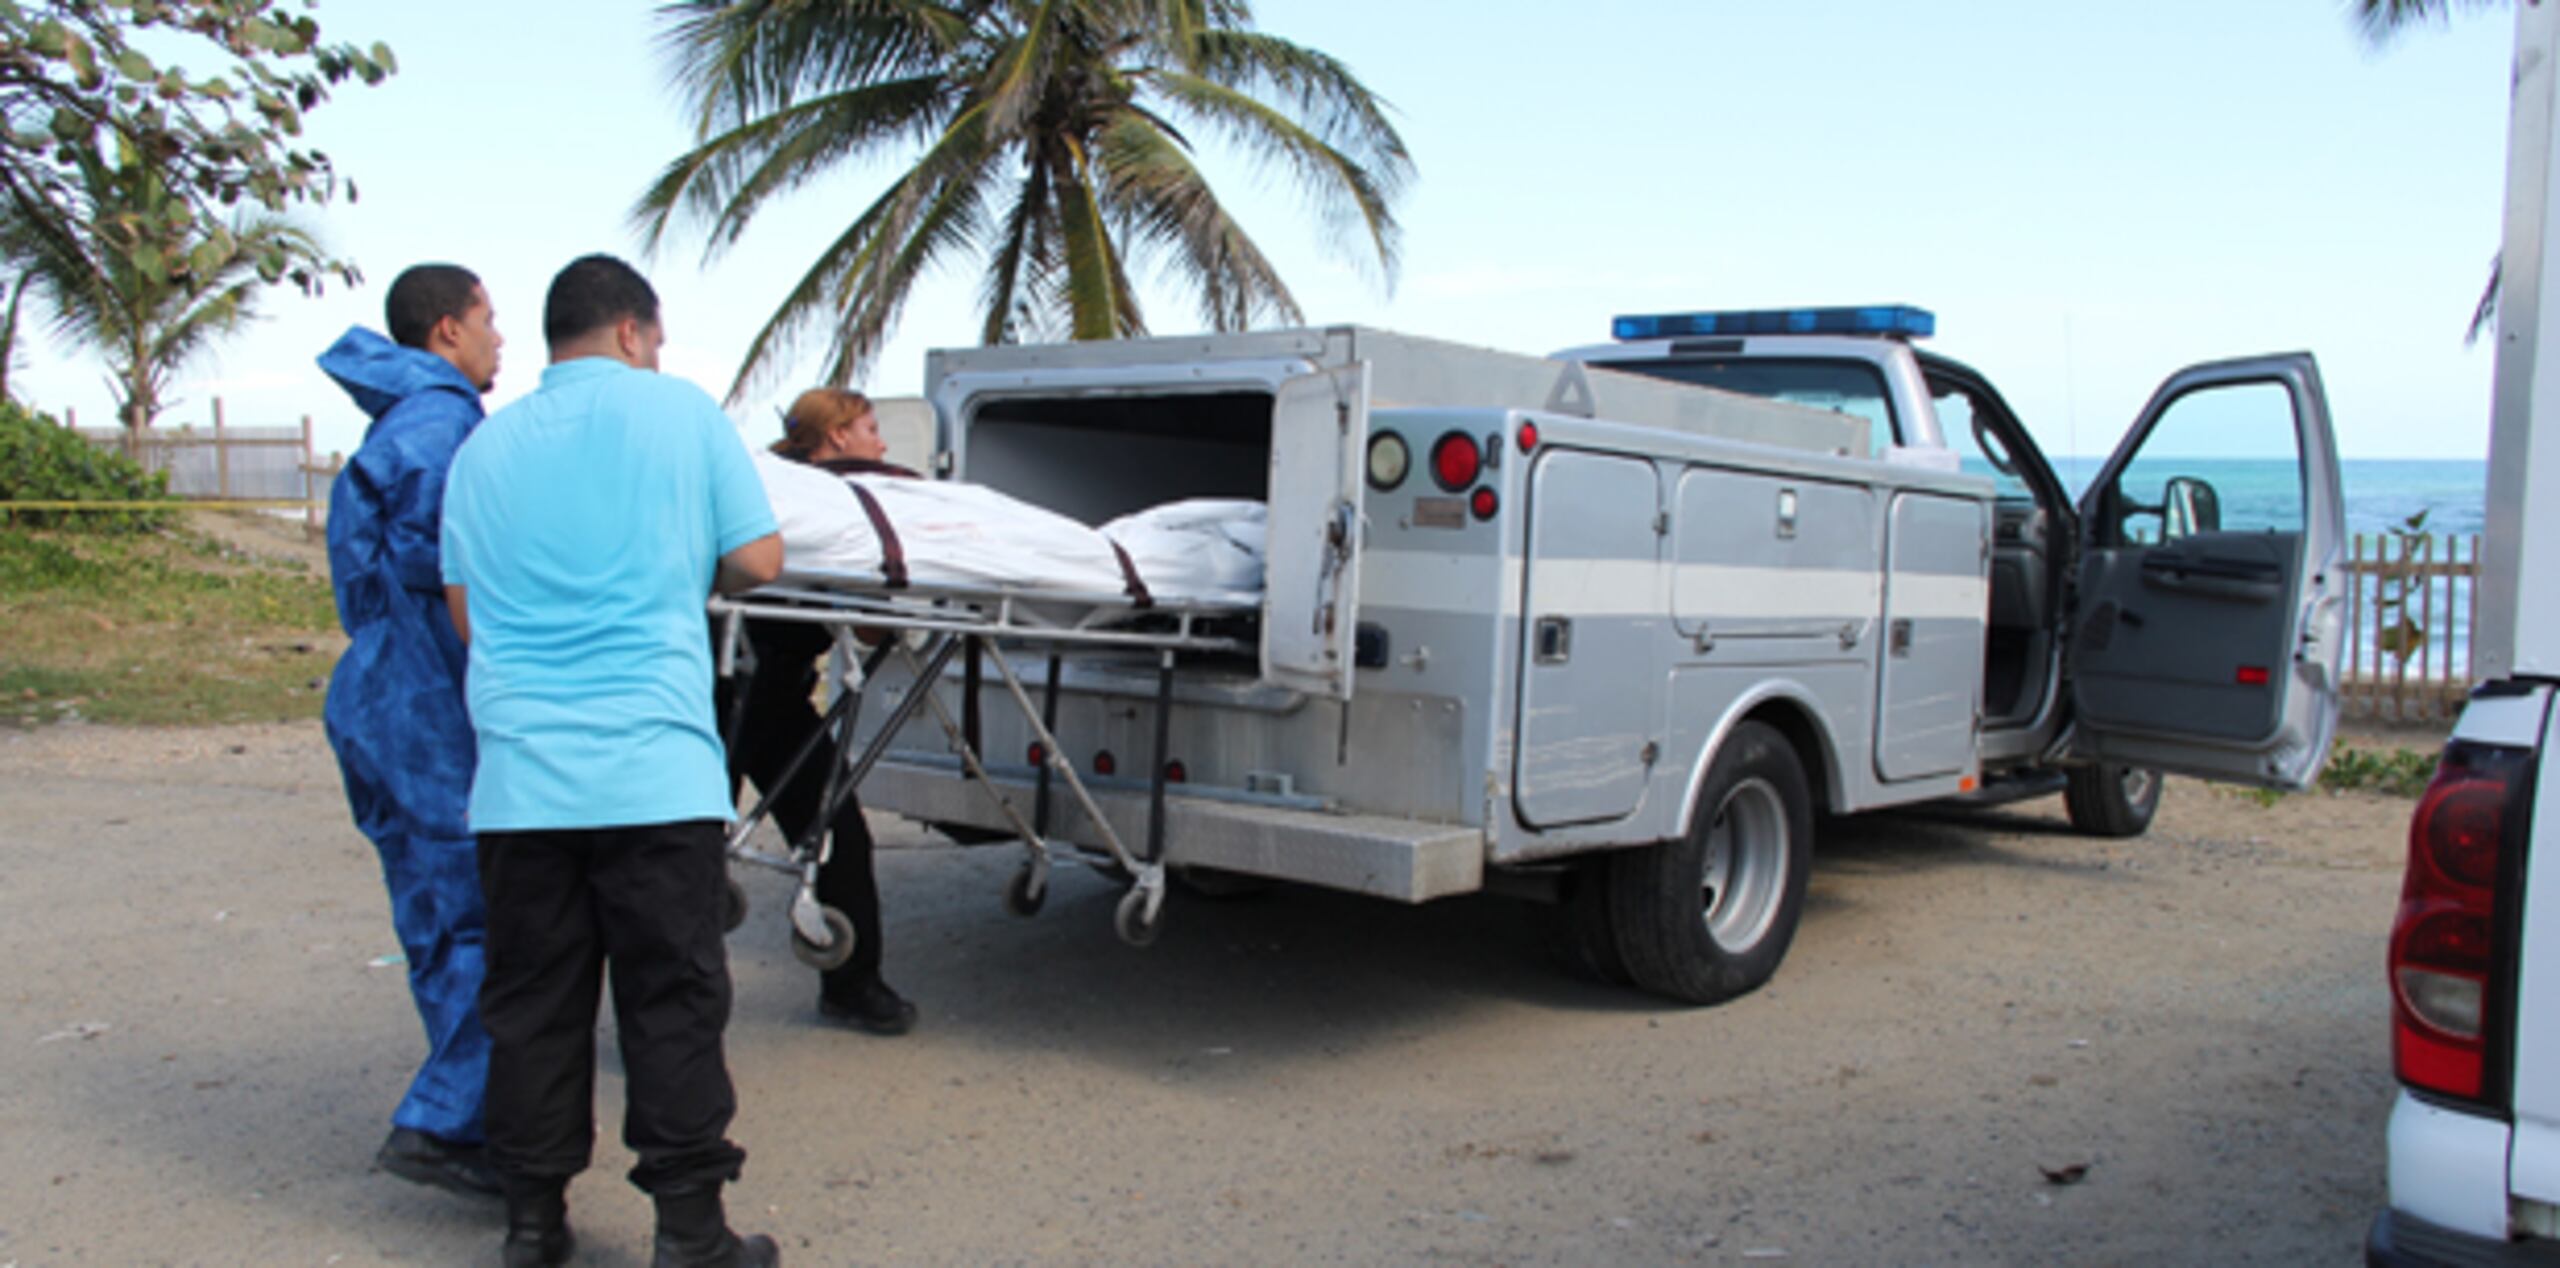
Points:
[(778, 716), (847, 883), (545, 967), (776, 719), (660, 893)]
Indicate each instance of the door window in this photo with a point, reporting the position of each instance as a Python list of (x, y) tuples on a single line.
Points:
[(2222, 458), (1965, 422)]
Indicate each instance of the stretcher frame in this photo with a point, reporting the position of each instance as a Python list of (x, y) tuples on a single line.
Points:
[(932, 622)]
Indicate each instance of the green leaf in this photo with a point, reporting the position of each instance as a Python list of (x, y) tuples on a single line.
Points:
[(133, 65), (83, 61)]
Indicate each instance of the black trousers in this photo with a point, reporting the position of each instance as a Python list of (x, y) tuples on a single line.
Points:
[(649, 901), (777, 715)]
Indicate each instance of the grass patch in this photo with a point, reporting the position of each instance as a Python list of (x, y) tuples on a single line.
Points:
[(2398, 772), (166, 627)]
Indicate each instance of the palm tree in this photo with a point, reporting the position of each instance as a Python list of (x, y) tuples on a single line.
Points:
[(1052, 142), (147, 302)]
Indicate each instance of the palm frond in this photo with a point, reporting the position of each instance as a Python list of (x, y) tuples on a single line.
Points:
[(1169, 204), (1341, 189), (2380, 20), (726, 179), (831, 284), (736, 59)]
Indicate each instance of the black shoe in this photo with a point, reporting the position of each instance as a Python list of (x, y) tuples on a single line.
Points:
[(538, 1233), (693, 1232), (873, 1007), (420, 1158)]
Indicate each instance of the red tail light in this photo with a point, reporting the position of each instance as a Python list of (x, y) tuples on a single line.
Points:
[(2445, 954), (1456, 461)]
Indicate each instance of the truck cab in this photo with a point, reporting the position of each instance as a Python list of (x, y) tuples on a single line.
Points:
[(2156, 621)]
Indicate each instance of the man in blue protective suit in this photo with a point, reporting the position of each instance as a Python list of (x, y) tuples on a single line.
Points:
[(395, 713)]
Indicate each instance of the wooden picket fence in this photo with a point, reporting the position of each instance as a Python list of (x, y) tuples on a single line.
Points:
[(227, 463), (2414, 601)]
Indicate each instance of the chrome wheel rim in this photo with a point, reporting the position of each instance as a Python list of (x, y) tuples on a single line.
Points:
[(2139, 784), (1745, 868)]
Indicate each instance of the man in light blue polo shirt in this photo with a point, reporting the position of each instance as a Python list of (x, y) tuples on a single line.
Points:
[(584, 527)]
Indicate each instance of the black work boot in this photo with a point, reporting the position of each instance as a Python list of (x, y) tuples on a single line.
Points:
[(420, 1158), (868, 1005), (538, 1225), (693, 1232)]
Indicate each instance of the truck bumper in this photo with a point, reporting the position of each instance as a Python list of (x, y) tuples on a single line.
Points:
[(1405, 859), (2401, 1240)]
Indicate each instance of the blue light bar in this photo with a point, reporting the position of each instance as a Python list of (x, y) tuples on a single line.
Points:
[(1897, 320)]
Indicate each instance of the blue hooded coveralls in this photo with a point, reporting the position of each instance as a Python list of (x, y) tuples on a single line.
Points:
[(395, 713)]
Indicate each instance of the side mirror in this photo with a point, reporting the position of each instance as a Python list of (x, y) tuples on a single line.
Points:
[(2189, 506)]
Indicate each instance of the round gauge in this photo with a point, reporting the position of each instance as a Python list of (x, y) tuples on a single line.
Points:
[(1389, 460)]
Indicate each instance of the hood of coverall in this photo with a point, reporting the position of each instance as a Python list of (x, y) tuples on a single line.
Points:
[(379, 374)]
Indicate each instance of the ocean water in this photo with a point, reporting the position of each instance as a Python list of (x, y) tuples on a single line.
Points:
[(2382, 497), (2382, 493)]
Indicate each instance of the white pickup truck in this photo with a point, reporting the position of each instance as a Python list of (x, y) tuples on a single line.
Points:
[(2474, 963), (1573, 625)]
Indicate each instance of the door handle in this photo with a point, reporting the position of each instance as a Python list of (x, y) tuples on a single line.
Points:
[(1553, 642), (2204, 574)]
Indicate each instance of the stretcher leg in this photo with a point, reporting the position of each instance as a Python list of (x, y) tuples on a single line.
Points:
[(1137, 917)]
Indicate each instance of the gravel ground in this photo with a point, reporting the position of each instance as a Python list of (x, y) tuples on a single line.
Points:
[(201, 1044)]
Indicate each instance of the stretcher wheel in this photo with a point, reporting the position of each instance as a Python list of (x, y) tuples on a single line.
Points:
[(839, 946), (1024, 894), (733, 911), (1132, 922)]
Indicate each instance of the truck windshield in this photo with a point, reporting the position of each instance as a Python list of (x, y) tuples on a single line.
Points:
[(1848, 387)]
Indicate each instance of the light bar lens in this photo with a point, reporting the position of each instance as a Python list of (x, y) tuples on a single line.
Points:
[(1899, 320)]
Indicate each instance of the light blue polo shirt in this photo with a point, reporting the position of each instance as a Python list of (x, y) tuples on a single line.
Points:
[(585, 522)]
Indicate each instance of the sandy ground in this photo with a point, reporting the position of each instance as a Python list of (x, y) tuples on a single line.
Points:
[(199, 1048)]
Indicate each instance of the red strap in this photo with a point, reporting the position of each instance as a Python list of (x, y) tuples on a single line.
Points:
[(893, 557), (1137, 591)]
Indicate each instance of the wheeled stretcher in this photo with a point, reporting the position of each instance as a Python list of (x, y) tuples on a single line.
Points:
[(928, 625)]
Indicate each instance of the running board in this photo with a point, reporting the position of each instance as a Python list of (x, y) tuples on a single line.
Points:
[(1404, 859), (2008, 788)]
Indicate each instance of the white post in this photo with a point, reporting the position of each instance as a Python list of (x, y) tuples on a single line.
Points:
[(2519, 630), (221, 455)]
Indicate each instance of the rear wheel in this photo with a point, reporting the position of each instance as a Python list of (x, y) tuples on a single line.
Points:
[(2111, 800), (1708, 916)]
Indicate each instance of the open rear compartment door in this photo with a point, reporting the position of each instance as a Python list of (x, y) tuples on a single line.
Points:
[(2207, 624), (1311, 560)]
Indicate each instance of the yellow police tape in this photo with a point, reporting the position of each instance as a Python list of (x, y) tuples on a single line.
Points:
[(229, 504)]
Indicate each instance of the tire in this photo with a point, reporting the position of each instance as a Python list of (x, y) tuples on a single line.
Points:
[(1218, 886), (1708, 917), (1584, 936), (2112, 800)]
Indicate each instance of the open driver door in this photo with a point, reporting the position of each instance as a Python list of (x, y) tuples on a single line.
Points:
[(2210, 604)]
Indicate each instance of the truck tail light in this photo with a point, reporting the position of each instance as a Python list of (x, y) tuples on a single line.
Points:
[(2449, 941), (1456, 461)]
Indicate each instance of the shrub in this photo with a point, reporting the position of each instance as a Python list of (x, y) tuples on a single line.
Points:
[(41, 461)]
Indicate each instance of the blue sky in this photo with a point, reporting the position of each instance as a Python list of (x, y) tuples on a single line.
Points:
[(2088, 196)]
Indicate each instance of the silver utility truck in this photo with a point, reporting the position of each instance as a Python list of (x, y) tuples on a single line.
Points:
[(1569, 626)]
